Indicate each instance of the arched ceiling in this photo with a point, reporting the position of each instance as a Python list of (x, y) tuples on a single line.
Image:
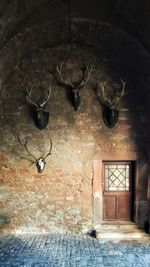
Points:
[(132, 16), (28, 26)]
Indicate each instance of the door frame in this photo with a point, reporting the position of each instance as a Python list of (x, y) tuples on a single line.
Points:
[(129, 193), (97, 181)]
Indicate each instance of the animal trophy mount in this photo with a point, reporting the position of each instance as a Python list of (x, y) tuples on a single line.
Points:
[(41, 161), (74, 87), (40, 116), (110, 113)]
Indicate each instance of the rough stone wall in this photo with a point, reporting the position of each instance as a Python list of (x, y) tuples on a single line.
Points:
[(60, 199)]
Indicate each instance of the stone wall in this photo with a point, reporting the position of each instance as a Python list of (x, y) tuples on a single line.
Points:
[(60, 199)]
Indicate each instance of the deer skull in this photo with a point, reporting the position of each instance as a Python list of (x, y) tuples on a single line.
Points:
[(39, 162)]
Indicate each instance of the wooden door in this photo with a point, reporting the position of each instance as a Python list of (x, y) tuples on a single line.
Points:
[(117, 190)]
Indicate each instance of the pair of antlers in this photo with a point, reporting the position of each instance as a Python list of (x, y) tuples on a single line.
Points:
[(86, 72), (28, 97), (30, 154), (112, 102)]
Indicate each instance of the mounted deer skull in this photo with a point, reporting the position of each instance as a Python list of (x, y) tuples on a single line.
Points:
[(74, 87), (40, 162), (40, 117), (110, 112)]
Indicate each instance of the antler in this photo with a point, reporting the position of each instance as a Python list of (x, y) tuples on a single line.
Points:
[(25, 146), (50, 149), (64, 82), (122, 92), (102, 86), (88, 69), (112, 102), (28, 97), (84, 80), (48, 96)]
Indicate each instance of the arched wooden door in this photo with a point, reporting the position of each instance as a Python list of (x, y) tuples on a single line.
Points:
[(117, 190)]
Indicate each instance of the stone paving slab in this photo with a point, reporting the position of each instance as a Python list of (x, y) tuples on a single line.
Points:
[(71, 251)]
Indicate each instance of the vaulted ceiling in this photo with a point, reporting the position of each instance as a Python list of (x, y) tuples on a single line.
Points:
[(132, 16), (121, 28)]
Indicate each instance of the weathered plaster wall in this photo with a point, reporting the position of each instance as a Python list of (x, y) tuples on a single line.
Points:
[(61, 198)]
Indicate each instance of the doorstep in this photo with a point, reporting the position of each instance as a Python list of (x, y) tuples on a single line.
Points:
[(120, 230)]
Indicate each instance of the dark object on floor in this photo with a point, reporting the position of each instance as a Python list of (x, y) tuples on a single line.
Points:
[(92, 233), (147, 226)]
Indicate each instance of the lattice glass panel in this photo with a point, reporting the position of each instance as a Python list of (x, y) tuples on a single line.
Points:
[(117, 177)]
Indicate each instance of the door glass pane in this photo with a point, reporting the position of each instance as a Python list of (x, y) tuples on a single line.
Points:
[(116, 176)]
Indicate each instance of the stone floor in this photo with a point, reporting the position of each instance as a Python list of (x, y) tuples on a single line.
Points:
[(71, 251)]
